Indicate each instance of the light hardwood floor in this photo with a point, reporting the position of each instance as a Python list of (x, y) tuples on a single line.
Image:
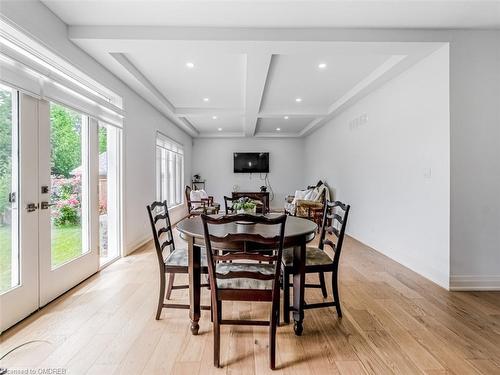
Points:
[(394, 322)]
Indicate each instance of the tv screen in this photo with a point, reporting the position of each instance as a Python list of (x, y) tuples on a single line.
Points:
[(251, 162)]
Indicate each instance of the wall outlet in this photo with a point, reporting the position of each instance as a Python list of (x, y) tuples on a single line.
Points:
[(427, 173), (358, 121)]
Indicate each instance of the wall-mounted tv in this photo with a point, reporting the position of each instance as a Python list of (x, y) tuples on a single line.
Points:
[(251, 162)]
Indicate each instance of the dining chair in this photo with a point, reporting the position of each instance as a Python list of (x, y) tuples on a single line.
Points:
[(170, 259), (228, 203), (254, 273), (318, 261)]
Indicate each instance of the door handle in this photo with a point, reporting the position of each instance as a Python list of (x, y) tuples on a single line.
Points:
[(31, 207), (46, 205)]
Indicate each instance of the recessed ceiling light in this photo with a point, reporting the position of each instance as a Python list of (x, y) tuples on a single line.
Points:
[(322, 65), (278, 129), (286, 117), (206, 99), (298, 100), (214, 117), (190, 65), (219, 129)]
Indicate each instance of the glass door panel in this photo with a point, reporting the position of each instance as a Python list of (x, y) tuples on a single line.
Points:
[(68, 203), (68, 246), (9, 244), (18, 206), (109, 194)]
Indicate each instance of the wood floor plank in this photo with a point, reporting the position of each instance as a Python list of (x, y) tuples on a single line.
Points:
[(350, 368)]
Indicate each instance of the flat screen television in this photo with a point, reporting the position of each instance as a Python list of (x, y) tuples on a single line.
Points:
[(251, 162)]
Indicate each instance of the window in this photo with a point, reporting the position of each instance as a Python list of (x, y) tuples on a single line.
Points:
[(109, 192), (169, 170)]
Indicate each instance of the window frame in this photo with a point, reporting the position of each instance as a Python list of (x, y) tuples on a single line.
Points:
[(169, 160)]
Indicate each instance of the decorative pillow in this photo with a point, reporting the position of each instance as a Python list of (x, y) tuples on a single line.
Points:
[(300, 194), (195, 196), (203, 194), (310, 195)]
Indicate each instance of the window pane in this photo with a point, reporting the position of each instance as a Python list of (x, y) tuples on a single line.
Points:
[(68, 193), (178, 179), (9, 249), (171, 178), (158, 174), (170, 170), (164, 195), (108, 193)]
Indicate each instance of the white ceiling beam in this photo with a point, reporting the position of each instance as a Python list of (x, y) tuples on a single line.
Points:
[(207, 111), (111, 32), (165, 106), (291, 114), (257, 70), (277, 135), (222, 135)]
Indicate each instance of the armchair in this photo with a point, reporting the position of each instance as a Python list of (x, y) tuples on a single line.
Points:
[(199, 202), (308, 203)]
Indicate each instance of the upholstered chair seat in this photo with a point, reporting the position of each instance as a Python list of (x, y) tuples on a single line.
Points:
[(314, 257), (179, 258), (243, 283)]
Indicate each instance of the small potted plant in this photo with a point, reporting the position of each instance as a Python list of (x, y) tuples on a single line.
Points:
[(244, 205)]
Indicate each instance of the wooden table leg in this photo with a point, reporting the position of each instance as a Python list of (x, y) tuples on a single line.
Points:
[(299, 278), (194, 260)]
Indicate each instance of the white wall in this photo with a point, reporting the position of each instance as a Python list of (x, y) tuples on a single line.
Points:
[(213, 160), (394, 169), (140, 124), (475, 160)]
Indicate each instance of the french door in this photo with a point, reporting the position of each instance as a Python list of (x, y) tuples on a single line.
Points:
[(50, 223)]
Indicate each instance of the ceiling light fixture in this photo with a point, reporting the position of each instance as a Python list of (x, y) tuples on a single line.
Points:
[(214, 117), (322, 65), (190, 65), (206, 99), (286, 117), (278, 129), (219, 129), (298, 100)]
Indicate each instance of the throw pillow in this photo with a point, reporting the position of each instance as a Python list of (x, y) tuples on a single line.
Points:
[(195, 196)]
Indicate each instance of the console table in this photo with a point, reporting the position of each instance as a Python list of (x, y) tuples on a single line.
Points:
[(262, 196)]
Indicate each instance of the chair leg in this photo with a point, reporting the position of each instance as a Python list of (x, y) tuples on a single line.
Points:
[(336, 293), (286, 296), (323, 284), (272, 334), (216, 316), (211, 311), (171, 277), (161, 296)]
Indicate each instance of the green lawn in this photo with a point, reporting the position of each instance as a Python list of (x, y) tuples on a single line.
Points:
[(66, 245), (5, 258)]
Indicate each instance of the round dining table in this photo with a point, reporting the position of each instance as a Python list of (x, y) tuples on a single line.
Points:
[(298, 232)]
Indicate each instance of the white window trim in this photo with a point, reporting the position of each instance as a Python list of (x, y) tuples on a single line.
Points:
[(171, 146)]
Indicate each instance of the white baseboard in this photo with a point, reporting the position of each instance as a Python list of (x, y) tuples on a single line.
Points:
[(474, 283), (137, 245), (428, 271)]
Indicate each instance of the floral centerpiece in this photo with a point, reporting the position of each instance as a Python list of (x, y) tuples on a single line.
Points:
[(244, 205)]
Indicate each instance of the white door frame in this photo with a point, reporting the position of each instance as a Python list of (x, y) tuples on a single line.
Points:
[(54, 282), (22, 300)]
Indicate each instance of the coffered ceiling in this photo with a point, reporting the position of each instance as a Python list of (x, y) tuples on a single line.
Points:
[(233, 82)]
